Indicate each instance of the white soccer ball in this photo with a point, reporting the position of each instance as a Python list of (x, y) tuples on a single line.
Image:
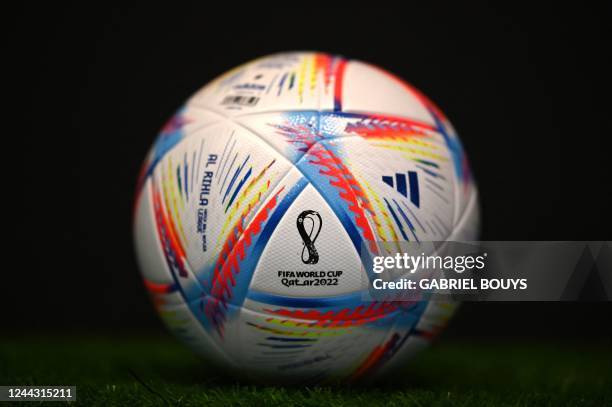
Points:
[(257, 197)]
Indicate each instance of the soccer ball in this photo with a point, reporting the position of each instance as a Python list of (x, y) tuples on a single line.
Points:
[(258, 197)]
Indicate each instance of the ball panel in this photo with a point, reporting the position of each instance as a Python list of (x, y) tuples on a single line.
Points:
[(279, 82), (216, 169), (288, 348), (324, 264), (407, 200), (368, 89)]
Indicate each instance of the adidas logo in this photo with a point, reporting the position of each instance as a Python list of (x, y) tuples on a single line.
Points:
[(402, 186)]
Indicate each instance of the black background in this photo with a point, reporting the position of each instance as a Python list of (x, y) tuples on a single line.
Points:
[(526, 88)]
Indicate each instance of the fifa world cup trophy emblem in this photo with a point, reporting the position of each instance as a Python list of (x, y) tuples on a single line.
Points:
[(312, 220)]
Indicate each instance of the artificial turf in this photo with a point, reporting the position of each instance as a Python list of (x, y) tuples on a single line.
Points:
[(160, 371)]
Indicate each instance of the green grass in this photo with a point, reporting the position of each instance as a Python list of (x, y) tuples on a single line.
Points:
[(159, 371)]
